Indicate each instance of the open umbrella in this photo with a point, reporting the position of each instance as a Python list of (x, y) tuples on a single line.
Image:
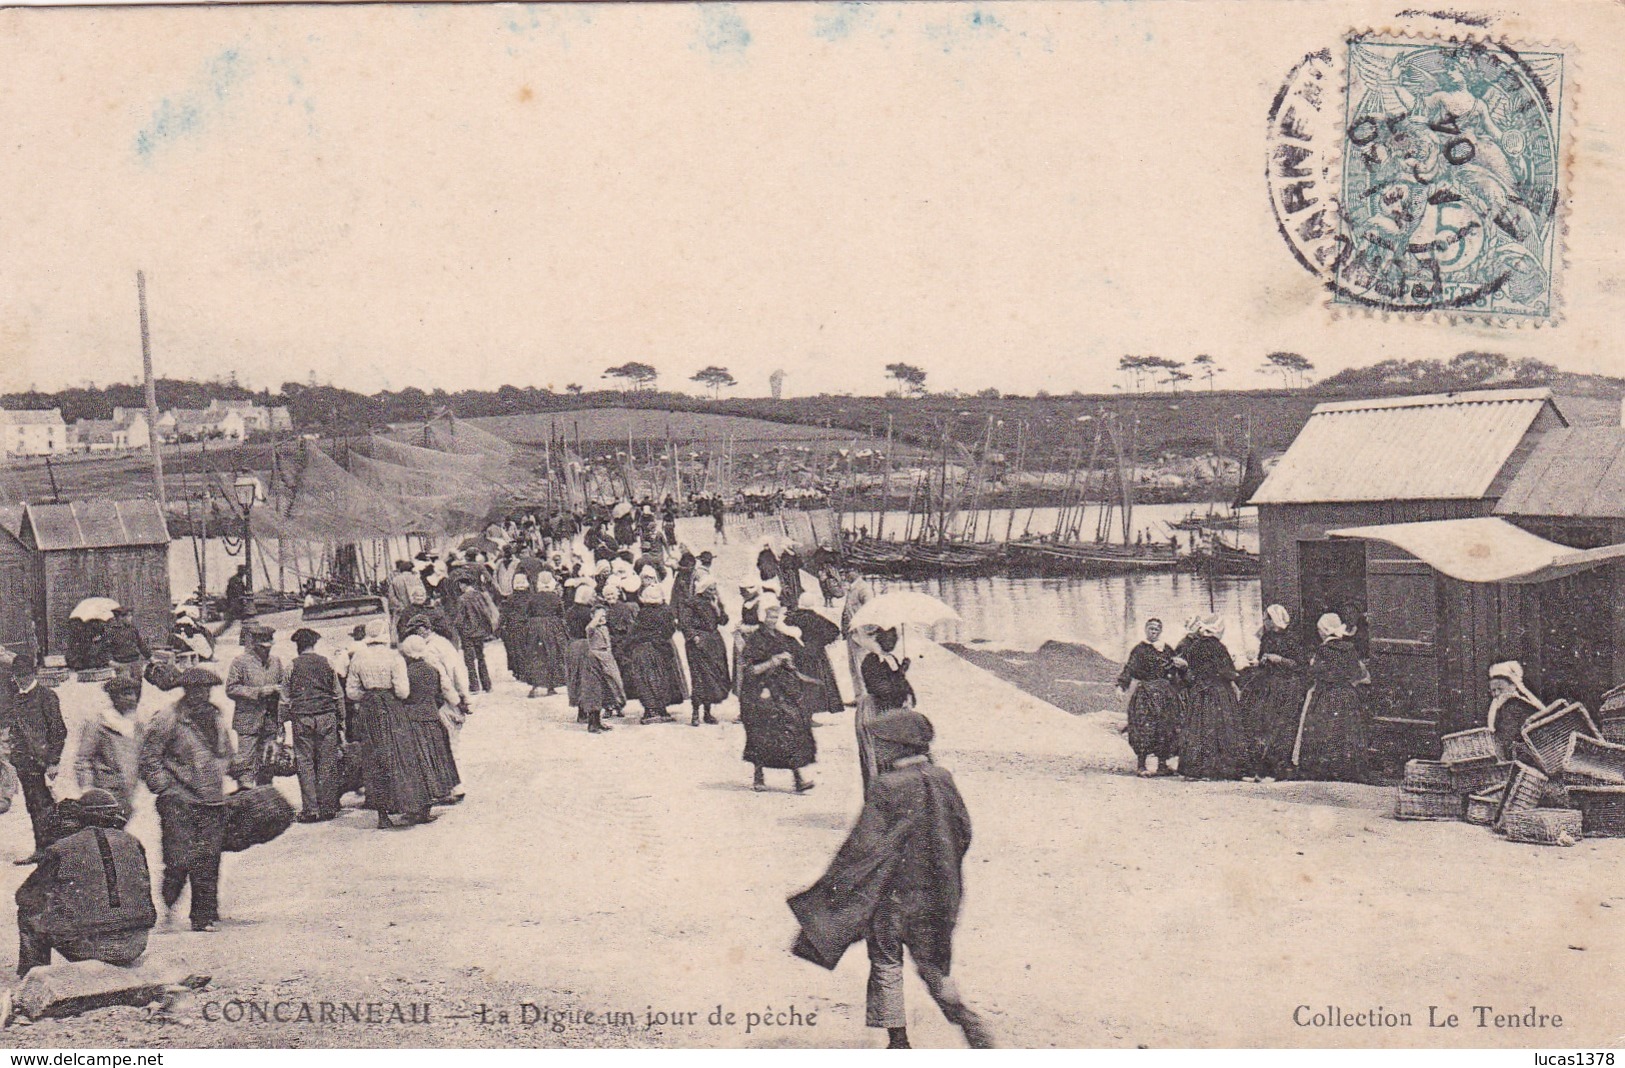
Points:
[(478, 544), (904, 606), (94, 608)]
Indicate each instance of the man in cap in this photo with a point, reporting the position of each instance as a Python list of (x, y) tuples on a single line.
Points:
[(239, 597), (257, 683), (90, 898), (31, 715), (401, 584), (315, 704), (897, 881), (184, 756), (126, 648)]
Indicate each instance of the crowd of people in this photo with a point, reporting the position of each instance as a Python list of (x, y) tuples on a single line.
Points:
[(1289, 712)]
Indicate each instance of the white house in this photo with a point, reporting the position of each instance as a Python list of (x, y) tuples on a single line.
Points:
[(32, 432), (125, 431), (257, 418), (201, 424)]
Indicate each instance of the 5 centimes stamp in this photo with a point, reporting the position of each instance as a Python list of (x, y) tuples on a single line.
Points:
[(1435, 184)]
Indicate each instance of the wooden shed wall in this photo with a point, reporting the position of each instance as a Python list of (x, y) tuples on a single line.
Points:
[(1282, 526), (135, 576), (22, 595)]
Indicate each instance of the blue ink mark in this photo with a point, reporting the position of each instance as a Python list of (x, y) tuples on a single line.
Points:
[(722, 30), (975, 26), (189, 113), (838, 22)]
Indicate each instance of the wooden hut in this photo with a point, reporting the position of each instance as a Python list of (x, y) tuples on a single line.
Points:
[(22, 597), (117, 549), (1364, 470)]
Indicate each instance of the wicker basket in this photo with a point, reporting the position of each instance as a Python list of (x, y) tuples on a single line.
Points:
[(1464, 747), (1548, 733), (1428, 776), (1590, 759), (1427, 805), (1602, 810), (54, 676), (97, 674), (1545, 826), (1522, 792), (1481, 808), (1612, 728), (1486, 773)]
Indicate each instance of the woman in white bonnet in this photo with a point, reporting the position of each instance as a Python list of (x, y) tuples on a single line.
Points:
[(1332, 743), (1511, 705)]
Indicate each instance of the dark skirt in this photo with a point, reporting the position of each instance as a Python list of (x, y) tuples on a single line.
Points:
[(1209, 737), (1153, 719), (574, 654), (654, 676), (708, 667), (778, 734), (824, 694), (421, 768), (550, 653), (516, 642), (598, 682), (372, 731), (1334, 736), (1271, 702)]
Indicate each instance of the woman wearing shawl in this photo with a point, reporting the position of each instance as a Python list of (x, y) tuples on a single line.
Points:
[(598, 686), (1511, 706), (701, 619), (1331, 740), (377, 680), (858, 594), (656, 677), (548, 642), (817, 634), (750, 596), (421, 765), (1153, 702), (767, 562), (1272, 692), (1209, 738), (778, 732), (789, 572), (514, 630)]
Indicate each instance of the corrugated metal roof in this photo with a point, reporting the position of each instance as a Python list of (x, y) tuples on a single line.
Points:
[(97, 524), (1440, 447), (1574, 472)]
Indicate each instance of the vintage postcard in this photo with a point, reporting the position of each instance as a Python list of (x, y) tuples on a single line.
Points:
[(812, 525)]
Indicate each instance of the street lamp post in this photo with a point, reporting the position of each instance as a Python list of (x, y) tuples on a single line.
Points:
[(246, 490)]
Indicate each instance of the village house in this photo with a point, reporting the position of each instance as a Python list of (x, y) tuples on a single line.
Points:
[(257, 418), (201, 424), (32, 432), (127, 430), (1426, 522)]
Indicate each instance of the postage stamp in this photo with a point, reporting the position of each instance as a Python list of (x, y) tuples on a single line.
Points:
[(1434, 183)]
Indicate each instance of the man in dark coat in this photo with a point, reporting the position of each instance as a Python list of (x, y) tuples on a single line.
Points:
[(31, 715), (897, 882), (126, 648), (256, 682), (315, 703), (91, 896)]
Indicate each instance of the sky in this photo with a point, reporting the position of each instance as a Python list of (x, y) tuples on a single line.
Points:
[(1010, 195)]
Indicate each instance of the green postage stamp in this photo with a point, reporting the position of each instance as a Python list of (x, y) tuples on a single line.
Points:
[(1434, 183)]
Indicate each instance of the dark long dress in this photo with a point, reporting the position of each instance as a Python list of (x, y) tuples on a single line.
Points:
[(701, 618), (1334, 742), (790, 578), (778, 732), (576, 619), (548, 641), (812, 660), (654, 677), (1153, 708), (516, 637), (1272, 702), (1209, 738), (621, 617), (1509, 720), (417, 752), (598, 681)]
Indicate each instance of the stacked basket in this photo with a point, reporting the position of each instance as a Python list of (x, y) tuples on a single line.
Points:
[(1570, 782)]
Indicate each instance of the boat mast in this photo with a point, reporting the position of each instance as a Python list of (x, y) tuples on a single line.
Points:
[(151, 390)]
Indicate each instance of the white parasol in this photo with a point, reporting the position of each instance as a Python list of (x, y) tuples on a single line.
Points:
[(94, 608), (904, 606)]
